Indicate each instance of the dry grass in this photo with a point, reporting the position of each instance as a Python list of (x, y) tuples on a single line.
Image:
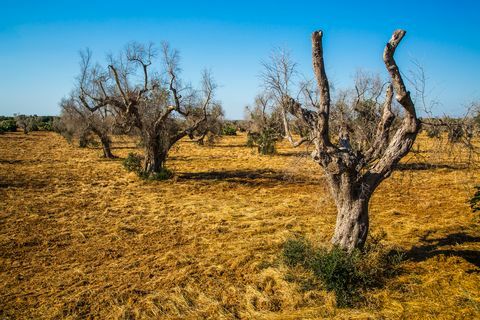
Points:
[(80, 237)]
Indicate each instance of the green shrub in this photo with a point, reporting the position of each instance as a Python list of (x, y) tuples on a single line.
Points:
[(265, 141), (46, 126), (8, 125), (475, 200), (229, 131), (164, 174), (348, 275), (296, 251), (133, 163)]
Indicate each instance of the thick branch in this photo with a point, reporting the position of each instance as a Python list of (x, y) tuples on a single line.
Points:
[(319, 69), (402, 141), (402, 95), (381, 137), (286, 126), (118, 83)]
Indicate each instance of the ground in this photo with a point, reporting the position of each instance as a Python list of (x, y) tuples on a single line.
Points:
[(82, 238)]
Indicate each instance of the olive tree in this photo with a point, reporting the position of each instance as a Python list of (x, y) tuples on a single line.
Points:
[(156, 103), (264, 124), (352, 169)]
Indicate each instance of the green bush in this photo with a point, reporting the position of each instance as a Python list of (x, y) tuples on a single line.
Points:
[(229, 131), (164, 174), (265, 141), (475, 200), (133, 163), (296, 251), (346, 274), (8, 125)]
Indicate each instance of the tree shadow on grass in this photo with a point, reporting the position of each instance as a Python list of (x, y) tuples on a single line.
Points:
[(247, 177), (302, 154), (419, 166), (432, 247)]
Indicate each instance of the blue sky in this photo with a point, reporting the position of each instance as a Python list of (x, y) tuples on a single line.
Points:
[(40, 41)]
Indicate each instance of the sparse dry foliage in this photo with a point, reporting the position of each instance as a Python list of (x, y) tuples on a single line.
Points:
[(265, 126), (158, 105)]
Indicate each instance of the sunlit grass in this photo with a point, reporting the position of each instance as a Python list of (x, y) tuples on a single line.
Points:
[(80, 236)]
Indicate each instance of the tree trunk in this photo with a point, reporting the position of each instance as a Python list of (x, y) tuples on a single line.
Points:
[(351, 228), (107, 152), (155, 156)]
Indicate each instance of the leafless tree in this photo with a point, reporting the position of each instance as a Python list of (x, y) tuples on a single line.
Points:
[(157, 104), (81, 121), (354, 172), (459, 131), (281, 81)]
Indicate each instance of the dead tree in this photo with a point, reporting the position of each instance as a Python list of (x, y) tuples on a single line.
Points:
[(354, 174), (280, 80), (157, 105)]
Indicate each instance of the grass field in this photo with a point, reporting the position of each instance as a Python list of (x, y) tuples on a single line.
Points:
[(82, 238)]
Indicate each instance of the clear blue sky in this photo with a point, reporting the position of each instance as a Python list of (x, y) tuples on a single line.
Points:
[(40, 40)]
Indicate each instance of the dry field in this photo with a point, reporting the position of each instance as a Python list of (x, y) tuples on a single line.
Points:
[(82, 238)]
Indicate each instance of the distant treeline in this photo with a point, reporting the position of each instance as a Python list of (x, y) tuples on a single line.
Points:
[(27, 123)]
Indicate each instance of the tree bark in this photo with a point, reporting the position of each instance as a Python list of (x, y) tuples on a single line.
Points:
[(352, 224), (107, 152), (155, 156)]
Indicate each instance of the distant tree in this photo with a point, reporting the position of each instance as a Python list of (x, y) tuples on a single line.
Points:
[(355, 169), (212, 128), (27, 123), (7, 125), (265, 124), (281, 81)]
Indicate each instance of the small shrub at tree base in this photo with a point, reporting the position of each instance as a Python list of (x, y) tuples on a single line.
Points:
[(475, 200), (133, 163), (265, 141), (346, 274), (163, 174), (296, 251)]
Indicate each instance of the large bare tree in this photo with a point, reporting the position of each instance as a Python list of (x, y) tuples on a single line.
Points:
[(156, 104), (353, 170)]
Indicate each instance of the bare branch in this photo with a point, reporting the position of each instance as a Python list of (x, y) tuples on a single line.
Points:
[(319, 69)]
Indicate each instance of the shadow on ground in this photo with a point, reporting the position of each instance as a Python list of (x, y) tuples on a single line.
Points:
[(432, 247), (247, 177), (429, 166)]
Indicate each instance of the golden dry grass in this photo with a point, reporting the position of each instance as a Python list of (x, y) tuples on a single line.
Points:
[(82, 238)]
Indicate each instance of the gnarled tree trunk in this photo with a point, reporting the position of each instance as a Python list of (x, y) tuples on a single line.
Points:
[(351, 228), (106, 147), (155, 155), (353, 175)]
